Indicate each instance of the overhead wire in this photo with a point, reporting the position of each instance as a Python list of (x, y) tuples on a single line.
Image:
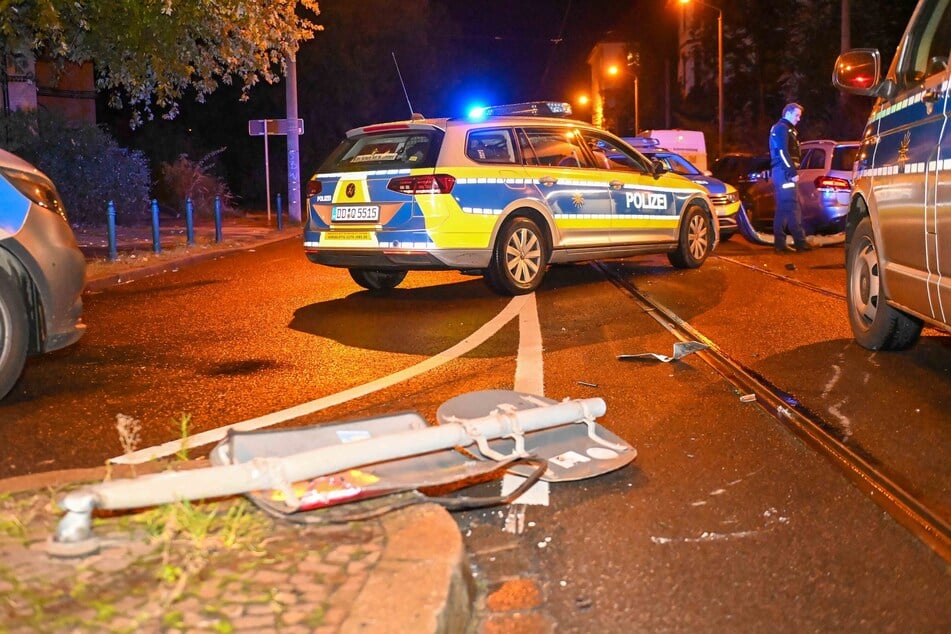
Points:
[(555, 42)]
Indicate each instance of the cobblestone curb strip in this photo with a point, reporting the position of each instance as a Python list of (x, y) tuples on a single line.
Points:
[(224, 566)]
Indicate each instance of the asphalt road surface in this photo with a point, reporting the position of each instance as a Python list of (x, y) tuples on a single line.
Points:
[(724, 522)]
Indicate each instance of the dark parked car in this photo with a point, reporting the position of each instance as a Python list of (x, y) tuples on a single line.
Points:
[(741, 170), (824, 188)]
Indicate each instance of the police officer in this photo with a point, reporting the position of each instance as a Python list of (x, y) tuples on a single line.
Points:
[(784, 160)]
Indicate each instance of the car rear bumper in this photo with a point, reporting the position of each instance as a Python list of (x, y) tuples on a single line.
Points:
[(406, 260)]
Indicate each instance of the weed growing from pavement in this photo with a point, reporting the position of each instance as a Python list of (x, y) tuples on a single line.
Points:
[(183, 427), (128, 429)]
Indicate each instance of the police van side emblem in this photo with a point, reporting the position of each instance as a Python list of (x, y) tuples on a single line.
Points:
[(903, 152), (351, 190)]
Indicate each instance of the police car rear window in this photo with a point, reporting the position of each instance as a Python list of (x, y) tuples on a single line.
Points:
[(491, 146), (400, 149)]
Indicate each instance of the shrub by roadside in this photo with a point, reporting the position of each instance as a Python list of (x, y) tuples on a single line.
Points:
[(86, 164)]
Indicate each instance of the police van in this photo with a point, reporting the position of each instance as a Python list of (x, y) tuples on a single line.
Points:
[(898, 231), (503, 194), (42, 271)]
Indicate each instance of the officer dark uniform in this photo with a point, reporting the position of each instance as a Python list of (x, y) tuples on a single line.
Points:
[(784, 157)]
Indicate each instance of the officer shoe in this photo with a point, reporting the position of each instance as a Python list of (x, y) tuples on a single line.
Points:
[(803, 246), (783, 249)]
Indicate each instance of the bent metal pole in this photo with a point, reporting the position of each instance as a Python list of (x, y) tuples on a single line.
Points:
[(274, 473)]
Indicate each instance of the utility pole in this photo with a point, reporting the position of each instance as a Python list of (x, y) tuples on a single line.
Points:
[(293, 145)]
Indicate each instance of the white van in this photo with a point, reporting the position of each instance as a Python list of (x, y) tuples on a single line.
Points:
[(688, 143)]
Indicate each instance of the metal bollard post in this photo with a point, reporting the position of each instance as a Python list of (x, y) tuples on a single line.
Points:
[(280, 220), (111, 222), (189, 221), (156, 236), (217, 218)]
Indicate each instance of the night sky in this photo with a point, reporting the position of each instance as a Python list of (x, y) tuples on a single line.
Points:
[(542, 45)]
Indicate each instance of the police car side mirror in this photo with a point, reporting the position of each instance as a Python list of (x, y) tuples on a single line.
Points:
[(657, 168), (859, 72)]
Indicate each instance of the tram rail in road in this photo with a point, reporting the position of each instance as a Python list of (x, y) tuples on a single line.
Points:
[(862, 469)]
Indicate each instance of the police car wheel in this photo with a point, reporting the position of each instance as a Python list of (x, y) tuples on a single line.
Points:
[(14, 332), (519, 258), (696, 239), (375, 280), (875, 324)]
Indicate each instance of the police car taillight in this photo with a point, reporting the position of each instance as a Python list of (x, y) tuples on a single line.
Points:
[(313, 188), (428, 184), (833, 183)]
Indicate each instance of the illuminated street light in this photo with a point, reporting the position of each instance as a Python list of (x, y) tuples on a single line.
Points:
[(720, 120)]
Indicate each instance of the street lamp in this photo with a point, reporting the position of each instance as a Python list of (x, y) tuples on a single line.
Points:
[(720, 120)]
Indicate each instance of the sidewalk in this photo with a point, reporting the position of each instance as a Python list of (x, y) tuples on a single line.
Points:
[(222, 565)]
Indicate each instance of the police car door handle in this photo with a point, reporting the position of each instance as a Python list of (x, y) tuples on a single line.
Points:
[(931, 95), (615, 184), (547, 181)]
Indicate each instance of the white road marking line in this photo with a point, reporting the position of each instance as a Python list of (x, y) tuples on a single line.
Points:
[(480, 336), (529, 371)]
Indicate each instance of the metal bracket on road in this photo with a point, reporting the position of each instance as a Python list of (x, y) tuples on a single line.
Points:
[(681, 350)]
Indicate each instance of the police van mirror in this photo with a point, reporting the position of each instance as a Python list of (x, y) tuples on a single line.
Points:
[(657, 168), (858, 71)]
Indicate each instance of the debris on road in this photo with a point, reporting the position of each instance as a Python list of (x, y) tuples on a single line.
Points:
[(681, 349)]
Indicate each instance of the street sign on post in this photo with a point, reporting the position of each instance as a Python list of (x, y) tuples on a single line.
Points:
[(266, 128), (256, 127)]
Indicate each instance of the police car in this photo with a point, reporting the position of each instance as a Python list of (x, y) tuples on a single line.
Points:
[(503, 195), (42, 271), (725, 198), (898, 229)]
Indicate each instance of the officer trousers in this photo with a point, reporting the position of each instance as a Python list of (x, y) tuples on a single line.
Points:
[(788, 213)]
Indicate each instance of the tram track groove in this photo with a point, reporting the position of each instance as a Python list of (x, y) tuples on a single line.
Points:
[(859, 467)]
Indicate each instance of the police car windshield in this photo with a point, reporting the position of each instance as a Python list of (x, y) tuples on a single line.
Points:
[(676, 163), (398, 149)]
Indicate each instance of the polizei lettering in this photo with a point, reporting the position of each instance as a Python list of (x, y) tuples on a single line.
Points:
[(646, 200)]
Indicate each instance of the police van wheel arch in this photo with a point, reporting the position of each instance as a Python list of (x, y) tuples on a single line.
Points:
[(875, 324), (14, 331), (519, 257), (377, 280), (696, 239)]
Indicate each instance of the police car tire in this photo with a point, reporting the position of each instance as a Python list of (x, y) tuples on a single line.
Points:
[(696, 239), (14, 332), (377, 280), (875, 324), (511, 274)]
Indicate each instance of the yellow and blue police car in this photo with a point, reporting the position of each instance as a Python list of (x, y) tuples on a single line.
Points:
[(503, 195)]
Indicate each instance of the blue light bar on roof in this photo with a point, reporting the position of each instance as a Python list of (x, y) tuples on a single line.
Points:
[(643, 142), (530, 109)]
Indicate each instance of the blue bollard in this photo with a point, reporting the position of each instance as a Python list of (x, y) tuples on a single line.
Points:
[(280, 220), (189, 221), (156, 236), (217, 219), (111, 221)]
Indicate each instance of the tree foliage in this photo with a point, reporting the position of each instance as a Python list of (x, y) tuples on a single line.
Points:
[(776, 52), (149, 53)]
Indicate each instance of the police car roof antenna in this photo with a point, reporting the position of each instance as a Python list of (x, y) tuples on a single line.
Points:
[(412, 115)]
